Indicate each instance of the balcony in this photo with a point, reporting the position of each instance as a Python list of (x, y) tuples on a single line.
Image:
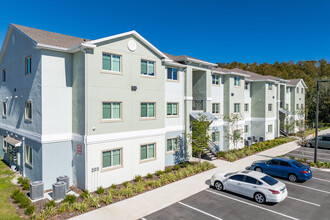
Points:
[(197, 105)]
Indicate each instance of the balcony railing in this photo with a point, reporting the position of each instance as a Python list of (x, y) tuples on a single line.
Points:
[(197, 105)]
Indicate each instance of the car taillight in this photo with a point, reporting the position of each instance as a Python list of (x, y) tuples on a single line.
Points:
[(274, 191), (304, 171)]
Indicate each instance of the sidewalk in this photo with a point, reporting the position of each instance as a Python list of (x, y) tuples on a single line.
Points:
[(149, 202)]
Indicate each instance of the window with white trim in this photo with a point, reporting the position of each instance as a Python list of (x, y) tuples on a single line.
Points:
[(216, 137), (246, 128), (287, 89), (270, 107), (215, 108), (172, 109), (236, 81), (172, 73), (215, 79), (148, 151), (297, 106), (4, 75), (111, 110), (302, 90), (270, 86), (172, 144), (246, 86), (28, 65), (148, 110), (302, 106), (4, 109), (111, 158), (147, 68), (236, 108), (28, 110), (246, 107), (297, 90), (111, 62), (28, 155), (270, 128)]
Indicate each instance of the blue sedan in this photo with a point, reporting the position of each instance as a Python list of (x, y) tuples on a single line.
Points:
[(283, 167)]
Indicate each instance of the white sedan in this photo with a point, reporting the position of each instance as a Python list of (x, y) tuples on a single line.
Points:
[(259, 186)]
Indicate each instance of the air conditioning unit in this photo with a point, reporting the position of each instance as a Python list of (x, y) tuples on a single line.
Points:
[(66, 180), (262, 139), (248, 143), (36, 190), (254, 138), (59, 190)]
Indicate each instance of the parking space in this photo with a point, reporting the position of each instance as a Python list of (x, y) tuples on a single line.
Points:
[(323, 155), (306, 200)]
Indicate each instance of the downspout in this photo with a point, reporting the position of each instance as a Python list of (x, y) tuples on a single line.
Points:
[(86, 122), (23, 156)]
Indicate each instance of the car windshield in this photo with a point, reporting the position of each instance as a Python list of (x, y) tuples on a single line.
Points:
[(269, 180), (297, 164), (229, 174)]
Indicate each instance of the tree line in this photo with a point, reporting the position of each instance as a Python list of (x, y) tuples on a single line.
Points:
[(309, 71)]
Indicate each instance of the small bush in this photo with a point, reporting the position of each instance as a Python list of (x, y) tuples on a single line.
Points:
[(70, 199), (168, 169), (184, 164), (107, 198), (81, 207), (85, 194), (93, 201), (138, 178), (20, 179), (170, 177), (176, 167), (261, 144), (292, 157), (50, 204), (100, 190), (139, 187), (231, 157), (113, 186), (30, 210), (125, 183), (313, 164), (221, 154), (159, 173), (25, 202), (26, 186), (127, 192), (240, 154), (150, 176), (64, 206)]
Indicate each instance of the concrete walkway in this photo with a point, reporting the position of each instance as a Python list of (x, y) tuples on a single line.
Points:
[(149, 202)]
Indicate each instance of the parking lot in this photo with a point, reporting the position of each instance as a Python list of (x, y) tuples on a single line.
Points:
[(323, 155), (306, 200)]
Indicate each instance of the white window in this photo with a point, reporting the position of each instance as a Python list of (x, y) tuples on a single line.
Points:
[(172, 73), (270, 86), (246, 86), (215, 108), (148, 151), (172, 109), (28, 155), (4, 75), (4, 144), (297, 106), (287, 107), (246, 128), (297, 90), (172, 144), (111, 158), (270, 107), (236, 81), (216, 137), (111, 110), (302, 90), (215, 79), (147, 68), (236, 108), (270, 128), (148, 110), (4, 109), (246, 107), (111, 62), (287, 90), (28, 110), (302, 106), (28, 65)]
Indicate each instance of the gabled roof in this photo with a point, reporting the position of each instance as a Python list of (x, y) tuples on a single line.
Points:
[(184, 58), (48, 38), (294, 82)]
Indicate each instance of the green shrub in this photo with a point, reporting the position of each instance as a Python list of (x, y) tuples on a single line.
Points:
[(179, 175), (292, 157), (164, 180), (113, 186), (220, 154), (64, 206), (313, 164), (100, 190), (85, 194), (26, 186), (150, 176), (81, 207), (138, 178), (261, 144), (16, 194), (248, 152), (24, 202), (240, 154), (125, 183), (170, 177), (30, 210), (107, 198), (20, 179), (127, 192), (176, 167), (139, 187), (184, 164), (51, 203), (168, 169), (70, 199), (159, 172), (93, 201), (231, 157)]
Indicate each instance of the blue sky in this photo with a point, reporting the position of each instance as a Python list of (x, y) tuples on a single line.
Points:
[(216, 31)]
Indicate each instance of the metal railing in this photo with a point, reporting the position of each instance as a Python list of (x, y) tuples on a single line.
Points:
[(197, 105)]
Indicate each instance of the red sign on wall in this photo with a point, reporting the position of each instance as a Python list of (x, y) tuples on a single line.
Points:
[(78, 149)]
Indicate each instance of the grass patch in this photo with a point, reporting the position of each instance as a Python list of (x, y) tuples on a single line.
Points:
[(7, 210)]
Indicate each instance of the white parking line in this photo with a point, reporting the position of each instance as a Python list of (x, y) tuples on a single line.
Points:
[(143, 219), (198, 210), (314, 178), (269, 210), (307, 187), (303, 201)]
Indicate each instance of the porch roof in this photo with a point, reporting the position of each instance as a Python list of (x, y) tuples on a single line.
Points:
[(209, 116)]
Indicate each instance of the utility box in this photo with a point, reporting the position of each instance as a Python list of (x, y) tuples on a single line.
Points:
[(59, 190), (65, 179), (254, 138), (262, 139), (36, 190), (248, 143)]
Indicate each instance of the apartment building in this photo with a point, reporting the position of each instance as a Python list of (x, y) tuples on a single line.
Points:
[(102, 111)]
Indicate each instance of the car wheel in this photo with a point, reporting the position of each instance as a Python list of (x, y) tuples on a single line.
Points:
[(292, 177), (310, 145), (259, 198), (258, 169), (218, 186)]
